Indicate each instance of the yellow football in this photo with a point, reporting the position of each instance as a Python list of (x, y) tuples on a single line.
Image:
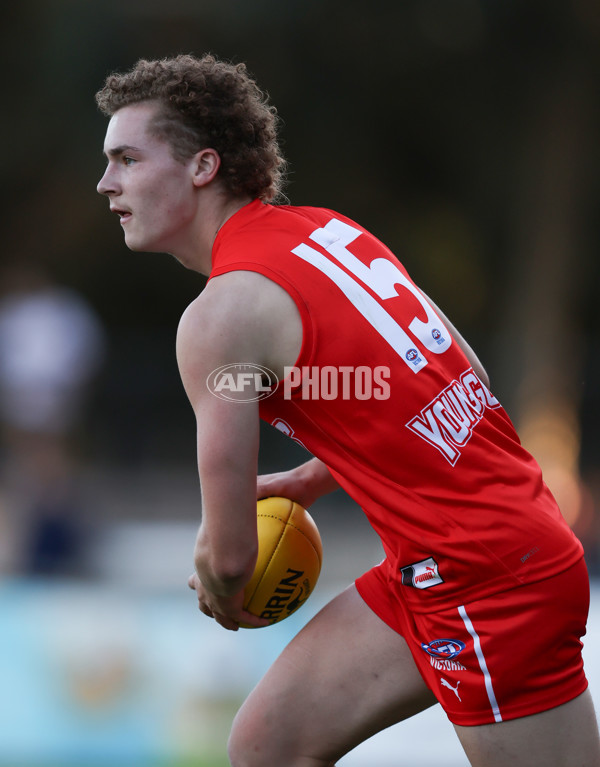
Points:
[(290, 554)]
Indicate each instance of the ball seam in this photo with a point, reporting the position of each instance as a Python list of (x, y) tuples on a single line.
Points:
[(290, 524)]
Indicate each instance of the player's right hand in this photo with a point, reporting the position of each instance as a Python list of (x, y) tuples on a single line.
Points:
[(226, 611)]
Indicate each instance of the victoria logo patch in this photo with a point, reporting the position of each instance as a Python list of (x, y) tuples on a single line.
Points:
[(443, 649)]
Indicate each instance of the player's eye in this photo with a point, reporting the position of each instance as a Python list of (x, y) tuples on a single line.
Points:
[(128, 160)]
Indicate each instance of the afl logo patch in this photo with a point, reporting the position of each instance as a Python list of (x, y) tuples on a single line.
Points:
[(412, 355), (443, 649)]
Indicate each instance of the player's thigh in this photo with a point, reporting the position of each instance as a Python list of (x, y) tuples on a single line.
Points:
[(344, 677), (565, 736)]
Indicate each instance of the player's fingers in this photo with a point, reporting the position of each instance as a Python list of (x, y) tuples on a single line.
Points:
[(227, 623), (254, 620), (205, 609), (270, 484)]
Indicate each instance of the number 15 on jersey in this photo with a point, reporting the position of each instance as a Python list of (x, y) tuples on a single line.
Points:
[(382, 277)]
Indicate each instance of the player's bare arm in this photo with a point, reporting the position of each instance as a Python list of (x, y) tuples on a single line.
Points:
[(227, 444), (233, 320)]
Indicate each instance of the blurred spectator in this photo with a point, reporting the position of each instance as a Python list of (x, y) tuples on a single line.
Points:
[(51, 347)]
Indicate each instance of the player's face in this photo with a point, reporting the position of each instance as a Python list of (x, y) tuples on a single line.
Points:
[(152, 193)]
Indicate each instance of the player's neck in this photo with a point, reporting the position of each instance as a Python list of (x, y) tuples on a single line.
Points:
[(216, 209), (229, 206)]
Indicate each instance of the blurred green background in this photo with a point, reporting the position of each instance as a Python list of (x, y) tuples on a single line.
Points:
[(463, 133)]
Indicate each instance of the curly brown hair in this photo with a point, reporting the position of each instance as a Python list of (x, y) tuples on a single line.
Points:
[(204, 103)]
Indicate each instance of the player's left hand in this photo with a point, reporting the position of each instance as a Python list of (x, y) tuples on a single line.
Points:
[(226, 611), (304, 484)]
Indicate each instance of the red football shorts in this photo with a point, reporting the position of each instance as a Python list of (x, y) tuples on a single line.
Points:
[(509, 655)]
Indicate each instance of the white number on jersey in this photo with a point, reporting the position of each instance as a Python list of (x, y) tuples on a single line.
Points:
[(382, 277)]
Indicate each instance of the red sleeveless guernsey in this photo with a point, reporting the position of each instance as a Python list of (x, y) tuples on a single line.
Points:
[(384, 396)]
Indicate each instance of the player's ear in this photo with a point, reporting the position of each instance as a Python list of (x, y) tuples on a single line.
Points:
[(206, 164)]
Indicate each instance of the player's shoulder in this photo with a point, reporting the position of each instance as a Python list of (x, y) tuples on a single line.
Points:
[(241, 315), (240, 303), (210, 333), (214, 309), (241, 295)]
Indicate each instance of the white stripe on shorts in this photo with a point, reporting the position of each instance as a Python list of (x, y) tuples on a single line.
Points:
[(482, 664)]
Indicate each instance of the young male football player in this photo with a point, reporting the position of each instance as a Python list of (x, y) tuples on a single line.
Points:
[(483, 595)]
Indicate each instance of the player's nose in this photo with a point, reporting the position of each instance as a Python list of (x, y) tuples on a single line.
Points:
[(107, 184)]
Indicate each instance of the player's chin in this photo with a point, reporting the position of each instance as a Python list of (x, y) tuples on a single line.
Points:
[(138, 242), (140, 246), (136, 245)]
